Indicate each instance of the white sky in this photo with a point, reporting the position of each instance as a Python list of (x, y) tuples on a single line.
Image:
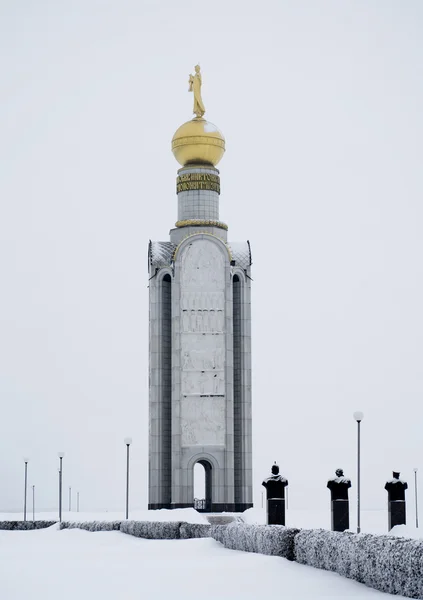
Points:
[(321, 106)]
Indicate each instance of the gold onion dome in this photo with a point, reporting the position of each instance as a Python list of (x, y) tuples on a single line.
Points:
[(198, 142)]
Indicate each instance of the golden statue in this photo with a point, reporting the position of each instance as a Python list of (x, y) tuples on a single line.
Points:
[(198, 142), (195, 86)]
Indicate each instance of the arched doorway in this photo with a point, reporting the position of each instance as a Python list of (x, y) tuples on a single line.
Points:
[(202, 486)]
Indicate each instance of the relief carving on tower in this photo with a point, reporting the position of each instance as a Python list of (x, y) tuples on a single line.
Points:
[(203, 422), (203, 321), (202, 300), (203, 359), (204, 383), (202, 267), (202, 344), (202, 311)]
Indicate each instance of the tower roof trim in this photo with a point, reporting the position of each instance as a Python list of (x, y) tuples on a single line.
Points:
[(241, 253), (160, 253)]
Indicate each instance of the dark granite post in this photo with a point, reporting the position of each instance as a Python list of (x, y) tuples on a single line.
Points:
[(276, 511), (340, 515), (396, 513), (340, 509), (396, 500), (275, 489)]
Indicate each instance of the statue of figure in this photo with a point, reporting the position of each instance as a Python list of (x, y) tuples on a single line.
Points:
[(220, 318), (186, 359), (195, 86), (396, 500), (340, 506), (193, 320), (212, 322), (204, 383), (205, 320), (396, 487), (339, 486), (199, 321), (185, 320), (275, 484), (217, 381)]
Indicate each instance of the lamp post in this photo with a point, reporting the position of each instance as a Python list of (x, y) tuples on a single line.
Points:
[(26, 460), (70, 498), (77, 501), (60, 455), (33, 502), (415, 497), (358, 416), (128, 442)]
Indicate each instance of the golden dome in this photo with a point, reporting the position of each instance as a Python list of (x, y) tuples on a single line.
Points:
[(198, 142)]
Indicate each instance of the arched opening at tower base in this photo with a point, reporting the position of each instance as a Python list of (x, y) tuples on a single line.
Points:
[(202, 479)]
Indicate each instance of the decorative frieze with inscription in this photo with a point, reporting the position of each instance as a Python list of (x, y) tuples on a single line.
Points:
[(197, 181)]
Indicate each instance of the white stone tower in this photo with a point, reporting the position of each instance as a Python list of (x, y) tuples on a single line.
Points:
[(200, 339)]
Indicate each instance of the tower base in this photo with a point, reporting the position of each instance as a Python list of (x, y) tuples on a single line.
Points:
[(215, 507)]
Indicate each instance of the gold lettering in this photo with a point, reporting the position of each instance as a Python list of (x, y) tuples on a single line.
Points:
[(197, 181)]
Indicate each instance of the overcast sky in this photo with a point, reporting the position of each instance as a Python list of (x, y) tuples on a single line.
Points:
[(320, 102)]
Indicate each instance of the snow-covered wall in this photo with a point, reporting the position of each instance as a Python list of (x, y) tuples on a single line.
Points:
[(387, 563), (150, 530), (25, 525), (91, 525), (275, 540)]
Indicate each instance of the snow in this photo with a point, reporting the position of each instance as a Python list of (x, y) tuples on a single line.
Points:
[(372, 521), (71, 564), (407, 531), (188, 515)]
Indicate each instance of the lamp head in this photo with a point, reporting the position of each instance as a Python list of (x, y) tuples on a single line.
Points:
[(128, 441), (358, 416), (60, 454)]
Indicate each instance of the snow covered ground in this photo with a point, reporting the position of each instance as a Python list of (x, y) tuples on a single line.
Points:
[(189, 515), (49, 564)]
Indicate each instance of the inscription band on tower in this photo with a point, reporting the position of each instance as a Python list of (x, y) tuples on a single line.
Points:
[(197, 181)]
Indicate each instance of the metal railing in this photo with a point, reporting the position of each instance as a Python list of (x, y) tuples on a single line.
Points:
[(202, 505)]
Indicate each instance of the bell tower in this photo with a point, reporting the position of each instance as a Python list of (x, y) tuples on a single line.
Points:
[(200, 337)]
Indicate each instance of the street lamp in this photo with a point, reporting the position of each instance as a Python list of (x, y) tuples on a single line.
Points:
[(60, 455), (77, 501), (33, 502), (70, 498), (358, 416), (128, 442), (26, 460), (415, 497)]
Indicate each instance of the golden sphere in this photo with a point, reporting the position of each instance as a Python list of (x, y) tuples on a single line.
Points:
[(198, 142)]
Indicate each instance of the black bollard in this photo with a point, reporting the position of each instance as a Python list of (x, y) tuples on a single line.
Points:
[(340, 506), (275, 489), (396, 500)]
